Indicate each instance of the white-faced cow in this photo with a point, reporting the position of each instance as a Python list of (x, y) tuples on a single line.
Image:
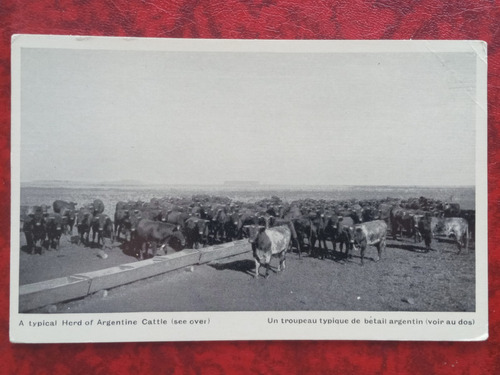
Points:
[(267, 243), (452, 227), (372, 233)]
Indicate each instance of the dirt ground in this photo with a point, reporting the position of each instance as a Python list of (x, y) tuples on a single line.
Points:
[(407, 278)]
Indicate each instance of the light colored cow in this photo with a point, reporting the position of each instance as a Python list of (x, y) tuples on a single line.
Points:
[(267, 243), (371, 233), (452, 227)]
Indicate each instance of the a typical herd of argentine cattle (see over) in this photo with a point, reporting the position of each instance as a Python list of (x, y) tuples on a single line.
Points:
[(272, 226)]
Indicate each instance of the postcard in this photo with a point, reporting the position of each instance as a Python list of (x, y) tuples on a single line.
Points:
[(195, 190)]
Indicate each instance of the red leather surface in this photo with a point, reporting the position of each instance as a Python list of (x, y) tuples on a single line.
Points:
[(265, 19)]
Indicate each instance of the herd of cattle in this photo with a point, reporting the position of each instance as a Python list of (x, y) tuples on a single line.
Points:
[(271, 225)]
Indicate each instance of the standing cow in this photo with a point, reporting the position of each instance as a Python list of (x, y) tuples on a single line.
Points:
[(452, 227), (372, 233), (267, 243), (152, 233), (196, 231), (102, 226), (54, 229)]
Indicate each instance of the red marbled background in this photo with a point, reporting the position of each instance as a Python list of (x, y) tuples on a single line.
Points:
[(263, 19)]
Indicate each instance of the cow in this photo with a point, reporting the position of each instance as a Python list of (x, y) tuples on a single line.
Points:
[(60, 205), (98, 207), (451, 209), (372, 233), (34, 229), (267, 243), (196, 232), (338, 231), (67, 211), (33, 220), (221, 221), (452, 227), (176, 217), (84, 223), (122, 222), (233, 227), (152, 233), (404, 221), (317, 233), (274, 222), (54, 229), (424, 227), (102, 226)]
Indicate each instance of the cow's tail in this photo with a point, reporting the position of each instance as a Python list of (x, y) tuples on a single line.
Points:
[(467, 236)]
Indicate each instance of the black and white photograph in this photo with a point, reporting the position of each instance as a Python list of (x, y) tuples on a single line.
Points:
[(173, 190)]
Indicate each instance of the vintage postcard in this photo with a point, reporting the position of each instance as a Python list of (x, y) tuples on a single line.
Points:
[(181, 190)]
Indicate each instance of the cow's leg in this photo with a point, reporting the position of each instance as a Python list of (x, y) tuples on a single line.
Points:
[(323, 248), (312, 245), (363, 248), (382, 248), (458, 240), (143, 250), (298, 247), (257, 266), (379, 251), (268, 266), (427, 239), (281, 266), (117, 231), (155, 248), (29, 242)]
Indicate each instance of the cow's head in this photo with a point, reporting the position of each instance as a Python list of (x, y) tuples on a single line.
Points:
[(254, 231)]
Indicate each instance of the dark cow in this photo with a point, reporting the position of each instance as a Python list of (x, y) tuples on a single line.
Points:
[(456, 228), (338, 231), (233, 227), (451, 209), (122, 222), (34, 228), (102, 226), (54, 229), (98, 207), (317, 233), (84, 223), (67, 211), (424, 226), (38, 230), (384, 212), (403, 221), (303, 229), (267, 243), (196, 232), (59, 205), (176, 218), (156, 233), (372, 233), (370, 213), (220, 223)]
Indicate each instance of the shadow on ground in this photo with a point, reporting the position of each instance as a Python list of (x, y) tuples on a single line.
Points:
[(246, 266)]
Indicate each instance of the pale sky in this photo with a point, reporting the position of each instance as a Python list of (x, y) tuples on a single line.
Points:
[(276, 118)]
